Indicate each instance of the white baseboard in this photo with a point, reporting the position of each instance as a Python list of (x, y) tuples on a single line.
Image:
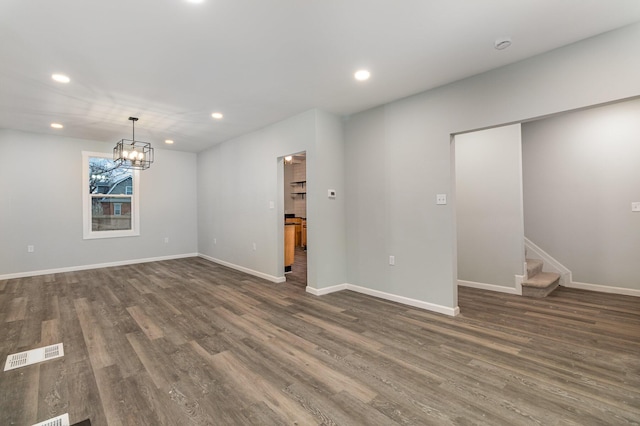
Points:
[(490, 287), (604, 288), (578, 285), (94, 266), (327, 290), (258, 274), (519, 280), (566, 276), (387, 296)]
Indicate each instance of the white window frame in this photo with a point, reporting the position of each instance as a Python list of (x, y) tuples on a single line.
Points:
[(117, 209), (88, 233)]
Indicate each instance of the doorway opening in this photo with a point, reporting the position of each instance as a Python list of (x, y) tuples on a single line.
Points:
[(295, 218)]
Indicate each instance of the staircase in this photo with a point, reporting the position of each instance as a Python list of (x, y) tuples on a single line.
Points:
[(538, 283)]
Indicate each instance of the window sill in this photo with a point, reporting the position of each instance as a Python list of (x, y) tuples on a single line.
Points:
[(98, 235)]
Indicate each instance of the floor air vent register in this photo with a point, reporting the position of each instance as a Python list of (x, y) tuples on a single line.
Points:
[(33, 356), (62, 420)]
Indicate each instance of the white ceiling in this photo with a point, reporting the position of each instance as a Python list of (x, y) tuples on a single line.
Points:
[(172, 63)]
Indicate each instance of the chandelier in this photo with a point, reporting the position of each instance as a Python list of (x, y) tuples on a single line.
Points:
[(132, 153)]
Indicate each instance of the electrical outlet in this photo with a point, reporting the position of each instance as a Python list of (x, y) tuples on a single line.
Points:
[(392, 260), (441, 199), (31, 249), (166, 240), (635, 206)]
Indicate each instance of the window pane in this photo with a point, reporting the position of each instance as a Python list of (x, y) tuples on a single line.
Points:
[(105, 178), (110, 198), (106, 217)]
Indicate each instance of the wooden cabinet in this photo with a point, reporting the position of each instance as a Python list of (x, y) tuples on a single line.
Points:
[(304, 233), (289, 245), (298, 234), (297, 221)]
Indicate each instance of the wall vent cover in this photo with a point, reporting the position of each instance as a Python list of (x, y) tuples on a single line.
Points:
[(62, 420), (34, 356)]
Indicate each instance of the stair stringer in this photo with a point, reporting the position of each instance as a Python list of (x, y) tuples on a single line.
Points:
[(550, 264)]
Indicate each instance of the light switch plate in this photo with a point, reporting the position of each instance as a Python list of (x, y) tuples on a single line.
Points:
[(441, 199), (635, 206)]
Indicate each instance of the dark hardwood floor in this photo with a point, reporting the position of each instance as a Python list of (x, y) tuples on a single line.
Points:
[(189, 342), (298, 274)]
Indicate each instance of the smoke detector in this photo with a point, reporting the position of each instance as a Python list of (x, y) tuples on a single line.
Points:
[(502, 43)]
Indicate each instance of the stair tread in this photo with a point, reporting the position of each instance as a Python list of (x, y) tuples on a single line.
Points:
[(541, 280)]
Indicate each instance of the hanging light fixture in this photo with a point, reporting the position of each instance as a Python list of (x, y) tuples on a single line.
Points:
[(132, 153)]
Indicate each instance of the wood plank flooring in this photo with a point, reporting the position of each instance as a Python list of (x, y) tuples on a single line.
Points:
[(189, 342), (298, 274)]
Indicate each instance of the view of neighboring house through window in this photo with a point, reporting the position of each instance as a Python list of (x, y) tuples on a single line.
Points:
[(110, 198)]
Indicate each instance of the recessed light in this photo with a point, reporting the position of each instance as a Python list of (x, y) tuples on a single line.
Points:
[(60, 78), (502, 43), (217, 115), (57, 125), (362, 75), (168, 142)]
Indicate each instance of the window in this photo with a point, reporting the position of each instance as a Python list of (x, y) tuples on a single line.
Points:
[(110, 198)]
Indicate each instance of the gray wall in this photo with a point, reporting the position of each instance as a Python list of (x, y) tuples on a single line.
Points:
[(581, 173), (398, 157), (236, 181), (488, 167), (326, 220), (238, 178), (387, 168), (42, 206)]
